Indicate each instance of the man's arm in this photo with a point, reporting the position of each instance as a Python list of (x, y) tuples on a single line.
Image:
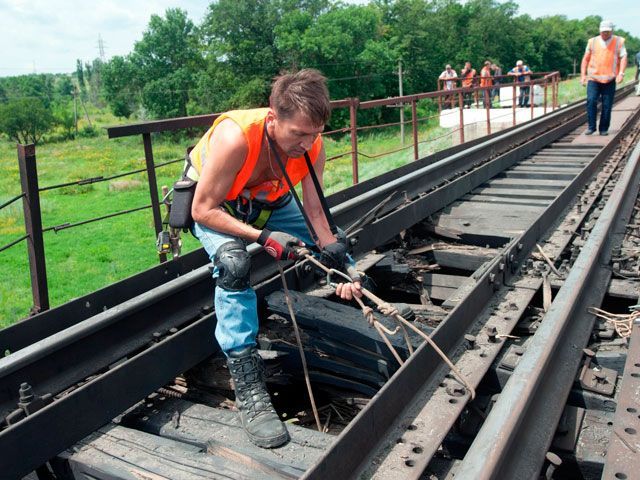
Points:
[(585, 62), (623, 67), (312, 205), (227, 152), (313, 208)]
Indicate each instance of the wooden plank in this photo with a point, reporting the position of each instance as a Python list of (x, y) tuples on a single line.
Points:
[(197, 424), (519, 201), (342, 322), (621, 288), (531, 184), (523, 193), (117, 452), (461, 257), (440, 286), (362, 265)]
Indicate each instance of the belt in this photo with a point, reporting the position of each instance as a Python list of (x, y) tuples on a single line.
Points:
[(255, 212)]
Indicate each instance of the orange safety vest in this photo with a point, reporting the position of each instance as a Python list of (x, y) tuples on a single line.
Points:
[(468, 78), (604, 63), (485, 77), (252, 124)]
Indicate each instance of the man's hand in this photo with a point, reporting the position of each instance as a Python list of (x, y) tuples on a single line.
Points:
[(279, 244), (334, 255), (347, 291), (583, 80), (620, 77)]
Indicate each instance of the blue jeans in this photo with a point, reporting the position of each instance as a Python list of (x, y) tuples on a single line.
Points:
[(237, 311), (595, 90), (523, 99)]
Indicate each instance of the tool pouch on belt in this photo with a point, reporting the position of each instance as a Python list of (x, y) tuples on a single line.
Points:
[(183, 192)]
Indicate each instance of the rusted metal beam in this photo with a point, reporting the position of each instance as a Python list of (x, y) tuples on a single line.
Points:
[(623, 458), (33, 226)]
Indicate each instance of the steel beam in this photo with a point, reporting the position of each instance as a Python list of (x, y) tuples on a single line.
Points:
[(514, 439)]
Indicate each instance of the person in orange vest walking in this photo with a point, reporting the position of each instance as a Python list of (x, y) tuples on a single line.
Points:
[(486, 81), (243, 196), (603, 65), (468, 74)]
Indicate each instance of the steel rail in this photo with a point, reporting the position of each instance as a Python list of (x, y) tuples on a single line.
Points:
[(19, 438), (516, 434)]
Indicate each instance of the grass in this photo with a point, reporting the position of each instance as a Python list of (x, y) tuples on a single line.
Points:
[(85, 258)]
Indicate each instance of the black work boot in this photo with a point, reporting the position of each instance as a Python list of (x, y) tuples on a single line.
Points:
[(259, 418)]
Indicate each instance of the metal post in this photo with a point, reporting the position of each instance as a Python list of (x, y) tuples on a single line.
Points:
[(33, 227), (488, 109), (153, 187), (545, 97), (75, 110), (401, 104), (531, 98), (461, 117), (414, 126), (353, 120), (514, 103)]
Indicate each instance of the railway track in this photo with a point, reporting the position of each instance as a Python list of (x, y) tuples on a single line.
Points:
[(454, 238)]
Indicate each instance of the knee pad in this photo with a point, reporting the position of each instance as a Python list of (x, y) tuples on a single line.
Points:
[(233, 264)]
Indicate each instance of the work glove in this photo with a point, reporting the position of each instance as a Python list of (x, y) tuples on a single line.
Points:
[(279, 245), (334, 256)]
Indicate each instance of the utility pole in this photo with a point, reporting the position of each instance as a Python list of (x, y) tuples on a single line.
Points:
[(75, 109), (401, 104)]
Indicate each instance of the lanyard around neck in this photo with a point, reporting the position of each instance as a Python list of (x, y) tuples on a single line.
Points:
[(316, 184)]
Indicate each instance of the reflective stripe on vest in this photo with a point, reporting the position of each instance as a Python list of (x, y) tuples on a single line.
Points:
[(605, 59), (252, 124)]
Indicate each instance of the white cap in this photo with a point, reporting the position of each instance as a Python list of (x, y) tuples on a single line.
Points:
[(606, 26), (448, 66), (519, 62)]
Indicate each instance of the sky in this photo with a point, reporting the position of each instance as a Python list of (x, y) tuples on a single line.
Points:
[(47, 36)]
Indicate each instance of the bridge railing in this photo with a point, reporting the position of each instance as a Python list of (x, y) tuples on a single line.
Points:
[(30, 189)]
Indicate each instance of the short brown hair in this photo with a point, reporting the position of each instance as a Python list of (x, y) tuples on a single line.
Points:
[(304, 91)]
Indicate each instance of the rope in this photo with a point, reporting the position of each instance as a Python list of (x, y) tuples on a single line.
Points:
[(300, 349), (622, 323), (388, 309)]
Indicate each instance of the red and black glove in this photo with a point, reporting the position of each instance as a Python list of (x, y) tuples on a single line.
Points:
[(279, 244)]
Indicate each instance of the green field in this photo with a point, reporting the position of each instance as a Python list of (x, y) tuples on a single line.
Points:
[(85, 258)]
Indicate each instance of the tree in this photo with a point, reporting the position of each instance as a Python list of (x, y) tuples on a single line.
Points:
[(64, 86), (166, 62), (242, 52), (121, 87), (25, 120), (64, 117)]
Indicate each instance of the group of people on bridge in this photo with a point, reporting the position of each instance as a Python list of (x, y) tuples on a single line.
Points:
[(490, 75)]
